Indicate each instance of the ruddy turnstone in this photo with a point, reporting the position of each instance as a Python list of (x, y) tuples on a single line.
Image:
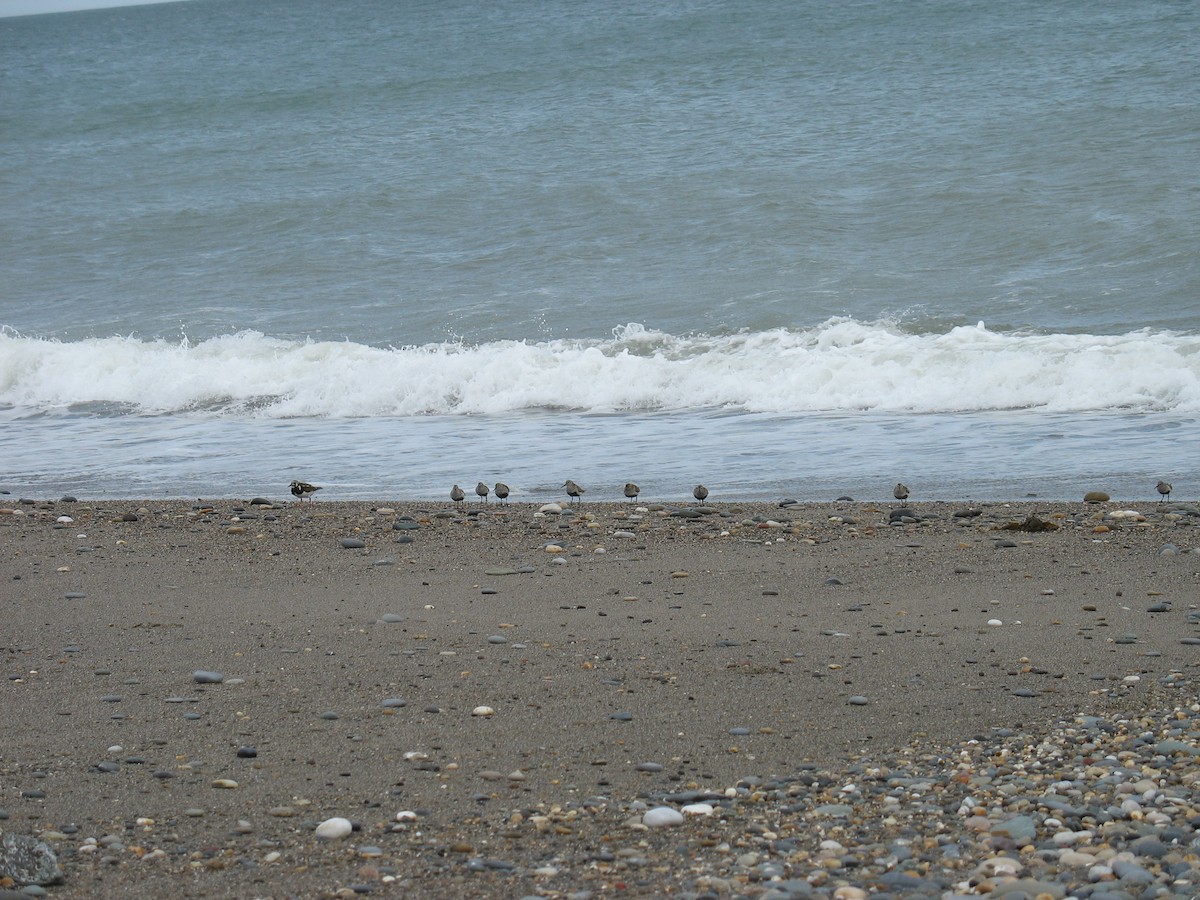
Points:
[(700, 492), (632, 490), (900, 491), (1164, 488), (302, 489), (482, 490), (573, 490), (502, 492)]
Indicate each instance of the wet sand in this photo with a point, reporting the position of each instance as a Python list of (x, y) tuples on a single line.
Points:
[(651, 656)]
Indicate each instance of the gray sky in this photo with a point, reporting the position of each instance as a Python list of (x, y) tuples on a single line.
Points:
[(32, 7)]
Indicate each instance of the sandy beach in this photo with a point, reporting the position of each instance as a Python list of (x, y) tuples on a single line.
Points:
[(494, 697)]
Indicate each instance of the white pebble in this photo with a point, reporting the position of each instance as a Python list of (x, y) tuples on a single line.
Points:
[(483, 711), (994, 622), (1068, 838), (334, 829), (661, 817), (65, 519), (697, 809), (406, 815)]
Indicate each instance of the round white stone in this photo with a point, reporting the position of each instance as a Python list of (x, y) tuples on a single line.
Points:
[(334, 829), (662, 817), (697, 809)]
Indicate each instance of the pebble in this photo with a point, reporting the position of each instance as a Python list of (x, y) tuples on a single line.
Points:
[(334, 829), (204, 677), (350, 543), (662, 817)]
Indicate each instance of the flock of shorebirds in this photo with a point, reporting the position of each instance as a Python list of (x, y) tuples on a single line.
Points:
[(302, 490)]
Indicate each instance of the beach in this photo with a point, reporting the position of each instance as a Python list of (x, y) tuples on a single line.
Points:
[(838, 697)]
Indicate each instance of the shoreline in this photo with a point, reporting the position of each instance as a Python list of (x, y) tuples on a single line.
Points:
[(660, 652)]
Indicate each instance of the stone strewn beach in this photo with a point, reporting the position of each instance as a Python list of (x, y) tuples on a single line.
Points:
[(324, 699)]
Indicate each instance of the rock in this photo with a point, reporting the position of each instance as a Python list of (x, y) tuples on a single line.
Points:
[(662, 817), (1096, 497), (204, 677), (1020, 829), (1031, 523), (334, 829), (26, 860), (352, 543)]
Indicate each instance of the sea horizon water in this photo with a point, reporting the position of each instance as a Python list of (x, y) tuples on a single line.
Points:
[(793, 251)]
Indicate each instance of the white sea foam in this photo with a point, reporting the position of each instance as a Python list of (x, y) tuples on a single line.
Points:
[(841, 365)]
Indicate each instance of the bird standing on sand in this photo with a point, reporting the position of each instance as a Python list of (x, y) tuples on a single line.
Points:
[(573, 490), (631, 491), (700, 492), (900, 491), (482, 490), (302, 489), (1164, 488), (502, 492), (456, 494)]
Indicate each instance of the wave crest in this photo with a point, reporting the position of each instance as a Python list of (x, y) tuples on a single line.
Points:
[(840, 365)]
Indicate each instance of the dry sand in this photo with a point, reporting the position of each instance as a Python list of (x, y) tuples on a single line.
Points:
[(651, 654)]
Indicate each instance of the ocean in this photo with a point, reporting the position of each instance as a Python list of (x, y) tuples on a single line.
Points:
[(788, 248)]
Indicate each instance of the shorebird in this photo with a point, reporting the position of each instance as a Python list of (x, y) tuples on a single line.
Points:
[(502, 492), (1164, 488), (700, 492), (632, 490), (456, 494), (900, 491), (302, 489), (482, 490), (573, 490)]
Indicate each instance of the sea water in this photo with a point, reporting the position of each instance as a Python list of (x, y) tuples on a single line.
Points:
[(789, 249)]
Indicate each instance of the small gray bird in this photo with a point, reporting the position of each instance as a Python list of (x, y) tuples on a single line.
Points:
[(502, 493), (900, 491), (573, 490), (631, 491), (456, 494), (700, 492), (482, 490), (1164, 488)]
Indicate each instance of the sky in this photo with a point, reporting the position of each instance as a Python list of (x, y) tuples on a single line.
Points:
[(33, 7)]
